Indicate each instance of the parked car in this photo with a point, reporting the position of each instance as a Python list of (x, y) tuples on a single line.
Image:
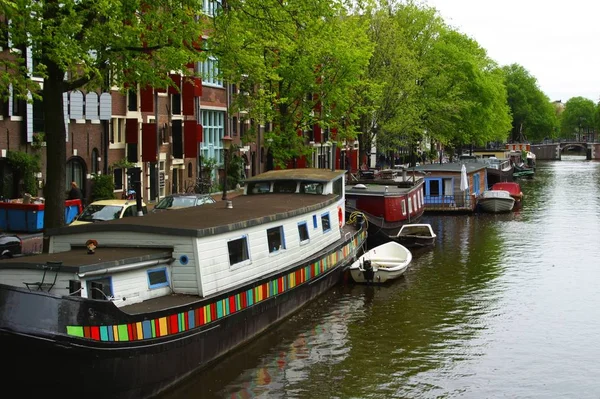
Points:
[(178, 201), (10, 245), (100, 211)]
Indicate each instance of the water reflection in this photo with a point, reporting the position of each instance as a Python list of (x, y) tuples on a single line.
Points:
[(498, 307)]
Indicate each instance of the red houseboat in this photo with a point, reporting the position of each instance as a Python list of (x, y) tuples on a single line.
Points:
[(387, 203)]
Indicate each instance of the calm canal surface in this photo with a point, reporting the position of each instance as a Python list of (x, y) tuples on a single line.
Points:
[(503, 306)]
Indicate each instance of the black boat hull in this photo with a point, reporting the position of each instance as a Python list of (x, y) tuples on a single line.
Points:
[(41, 360)]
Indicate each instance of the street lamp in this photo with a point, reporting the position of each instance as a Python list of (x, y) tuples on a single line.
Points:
[(226, 146)]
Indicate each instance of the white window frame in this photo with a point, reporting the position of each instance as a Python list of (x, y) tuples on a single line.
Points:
[(119, 136)]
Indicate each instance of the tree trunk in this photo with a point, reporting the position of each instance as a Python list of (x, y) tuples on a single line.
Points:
[(54, 125)]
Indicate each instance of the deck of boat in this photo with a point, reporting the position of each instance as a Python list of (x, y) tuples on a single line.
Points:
[(78, 260)]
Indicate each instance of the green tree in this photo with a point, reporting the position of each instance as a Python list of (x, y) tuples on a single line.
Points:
[(578, 118), (534, 116), (296, 63), (91, 45)]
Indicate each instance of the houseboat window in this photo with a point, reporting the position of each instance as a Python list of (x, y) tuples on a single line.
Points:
[(285, 186), (435, 188), (276, 239), (158, 278), (311, 188), (315, 225), (303, 232), (238, 250), (338, 187), (259, 187), (99, 288), (409, 204), (325, 222), (403, 207)]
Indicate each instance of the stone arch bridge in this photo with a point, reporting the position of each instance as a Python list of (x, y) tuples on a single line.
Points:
[(554, 151)]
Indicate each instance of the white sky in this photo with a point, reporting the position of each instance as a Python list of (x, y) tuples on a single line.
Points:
[(558, 42)]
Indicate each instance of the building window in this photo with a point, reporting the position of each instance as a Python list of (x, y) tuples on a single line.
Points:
[(157, 278), (117, 132), (325, 222), (210, 7), (213, 129), (234, 127), (238, 250), (95, 161), (303, 232), (275, 239), (209, 70), (132, 100), (118, 179), (38, 116), (176, 104)]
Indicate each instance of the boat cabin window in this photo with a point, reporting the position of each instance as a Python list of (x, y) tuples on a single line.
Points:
[(261, 187), (158, 278), (99, 288), (325, 222), (303, 232), (403, 207), (285, 186), (315, 225), (311, 188), (338, 187), (276, 239), (238, 250)]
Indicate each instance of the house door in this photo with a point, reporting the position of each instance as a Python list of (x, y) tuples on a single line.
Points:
[(76, 171)]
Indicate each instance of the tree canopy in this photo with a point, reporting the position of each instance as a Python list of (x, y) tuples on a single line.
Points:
[(534, 117)]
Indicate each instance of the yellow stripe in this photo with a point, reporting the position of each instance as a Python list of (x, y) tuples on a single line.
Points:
[(140, 332), (115, 333), (162, 322)]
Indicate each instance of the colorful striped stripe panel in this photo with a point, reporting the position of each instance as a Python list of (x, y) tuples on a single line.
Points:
[(204, 315)]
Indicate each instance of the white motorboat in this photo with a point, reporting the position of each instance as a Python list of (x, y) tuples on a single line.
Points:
[(496, 201), (381, 264)]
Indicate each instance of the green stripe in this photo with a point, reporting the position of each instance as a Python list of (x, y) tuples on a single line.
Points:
[(76, 331)]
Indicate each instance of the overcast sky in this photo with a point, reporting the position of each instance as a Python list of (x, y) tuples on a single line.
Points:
[(558, 42)]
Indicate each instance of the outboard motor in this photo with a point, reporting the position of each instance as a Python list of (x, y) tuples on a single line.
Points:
[(368, 271)]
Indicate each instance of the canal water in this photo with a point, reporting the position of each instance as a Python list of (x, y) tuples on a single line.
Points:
[(503, 306)]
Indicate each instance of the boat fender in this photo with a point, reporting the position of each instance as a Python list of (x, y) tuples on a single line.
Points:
[(340, 216)]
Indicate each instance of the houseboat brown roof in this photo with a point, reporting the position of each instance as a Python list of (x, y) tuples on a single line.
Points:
[(310, 174), (210, 219), (451, 167)]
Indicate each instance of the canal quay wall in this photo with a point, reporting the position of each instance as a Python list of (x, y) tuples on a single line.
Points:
[(554, 151)]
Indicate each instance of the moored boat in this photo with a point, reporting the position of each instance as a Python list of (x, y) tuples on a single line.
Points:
[(496, 201), (513, 188), (128, 308), (387, 204), (381, 264), (415, 235)]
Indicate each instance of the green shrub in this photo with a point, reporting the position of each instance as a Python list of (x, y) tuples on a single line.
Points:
[(103, 187), (25, 166)]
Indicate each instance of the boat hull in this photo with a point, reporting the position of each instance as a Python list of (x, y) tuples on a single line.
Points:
[(381, 276), (46, 360), (497, 205), (381, 264)]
